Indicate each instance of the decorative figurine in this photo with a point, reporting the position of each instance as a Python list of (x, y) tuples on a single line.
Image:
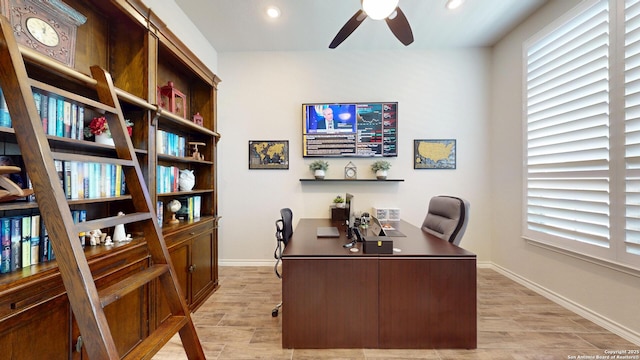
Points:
[(119, 233), (108, 241), (94, 237), (187, 180), (195, 153)]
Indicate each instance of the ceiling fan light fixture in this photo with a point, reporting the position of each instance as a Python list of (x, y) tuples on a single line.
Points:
[(379, 9), (453, 4)]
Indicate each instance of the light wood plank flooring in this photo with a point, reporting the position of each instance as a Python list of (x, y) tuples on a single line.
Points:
[(513, 323)]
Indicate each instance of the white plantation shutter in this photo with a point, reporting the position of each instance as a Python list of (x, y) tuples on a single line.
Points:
[(567, 129), (582, 129), (632, 126)]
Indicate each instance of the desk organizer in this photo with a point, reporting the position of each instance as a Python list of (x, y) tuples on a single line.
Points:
[(378, 247)]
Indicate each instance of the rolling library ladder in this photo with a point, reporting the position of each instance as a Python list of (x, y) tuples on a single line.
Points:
[(87, 301)]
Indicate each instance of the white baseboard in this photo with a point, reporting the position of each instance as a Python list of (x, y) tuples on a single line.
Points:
[(252, 262), (586, 313)]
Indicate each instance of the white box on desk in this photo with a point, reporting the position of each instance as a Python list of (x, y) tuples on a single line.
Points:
[(393, 214)]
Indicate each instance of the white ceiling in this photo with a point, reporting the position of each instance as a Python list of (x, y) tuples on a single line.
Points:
[(310, 25)]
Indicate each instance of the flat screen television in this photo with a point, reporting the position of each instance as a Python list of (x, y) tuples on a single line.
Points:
[(350, 129)]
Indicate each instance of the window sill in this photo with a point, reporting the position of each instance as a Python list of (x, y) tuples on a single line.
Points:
[(613, 265)]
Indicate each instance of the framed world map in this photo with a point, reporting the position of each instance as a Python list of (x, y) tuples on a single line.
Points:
[(268, 154), (434, 154)]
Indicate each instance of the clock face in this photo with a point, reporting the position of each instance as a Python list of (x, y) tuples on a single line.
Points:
[(350, 173), (42, 31)]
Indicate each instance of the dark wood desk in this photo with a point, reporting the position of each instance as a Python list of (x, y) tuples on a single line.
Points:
[(422, 297)]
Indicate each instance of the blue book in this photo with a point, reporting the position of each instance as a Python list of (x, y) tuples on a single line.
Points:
[(16, 243), (5, 241), (52, 113), (80, 123), (5, 118), (59, 117)]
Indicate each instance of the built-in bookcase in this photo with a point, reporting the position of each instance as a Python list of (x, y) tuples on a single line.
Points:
[(135, 47)]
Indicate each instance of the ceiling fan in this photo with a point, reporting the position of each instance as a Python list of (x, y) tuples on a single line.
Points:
[(377, 10)]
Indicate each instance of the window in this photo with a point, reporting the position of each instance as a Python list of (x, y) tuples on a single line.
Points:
[(582, 114)]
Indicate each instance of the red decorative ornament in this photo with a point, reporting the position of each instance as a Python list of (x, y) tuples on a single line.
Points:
[(173, 100), (198, 119)]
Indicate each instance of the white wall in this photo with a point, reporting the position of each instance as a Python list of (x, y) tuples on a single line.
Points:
[(441, 95), (592, 289)]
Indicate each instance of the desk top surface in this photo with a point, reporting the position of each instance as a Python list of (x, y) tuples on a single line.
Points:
[(305, 242)]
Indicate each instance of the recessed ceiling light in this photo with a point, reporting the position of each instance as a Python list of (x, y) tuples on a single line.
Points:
[(273, 12), (453, 4)]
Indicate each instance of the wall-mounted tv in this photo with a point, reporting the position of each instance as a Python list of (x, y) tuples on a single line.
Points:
[(350, 129)]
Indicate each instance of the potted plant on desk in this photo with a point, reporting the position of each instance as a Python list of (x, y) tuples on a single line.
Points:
[(338, 201), (380, 167), (319, 167)]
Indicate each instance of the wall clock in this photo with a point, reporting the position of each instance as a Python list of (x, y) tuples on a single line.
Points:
[(350, 171), (46, 26)]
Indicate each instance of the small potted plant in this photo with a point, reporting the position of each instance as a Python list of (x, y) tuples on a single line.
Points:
[(319, 167), (339, 201), (380, 167), (99, 128)]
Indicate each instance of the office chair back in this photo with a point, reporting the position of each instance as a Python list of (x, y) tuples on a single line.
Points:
[(284, 231), (447, 218)]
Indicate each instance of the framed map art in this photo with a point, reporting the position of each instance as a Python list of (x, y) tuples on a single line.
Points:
[(268, 154), (434, 154)]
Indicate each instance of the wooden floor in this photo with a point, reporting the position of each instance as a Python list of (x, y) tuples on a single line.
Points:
[(513, 323)]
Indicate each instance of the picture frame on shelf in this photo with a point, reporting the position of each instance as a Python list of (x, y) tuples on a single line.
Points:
[(268, 154), (434, 154)]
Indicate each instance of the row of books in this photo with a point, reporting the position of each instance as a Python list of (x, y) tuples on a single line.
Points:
[(82, 180), (24, 241), (171, 144), (59, 116), (191, 207), (167, 179)]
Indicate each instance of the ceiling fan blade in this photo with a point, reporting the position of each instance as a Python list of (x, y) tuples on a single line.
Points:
[(400, 27), (348, 28)]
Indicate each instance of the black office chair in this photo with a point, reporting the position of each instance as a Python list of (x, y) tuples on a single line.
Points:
[(447, 218), (284, 231)]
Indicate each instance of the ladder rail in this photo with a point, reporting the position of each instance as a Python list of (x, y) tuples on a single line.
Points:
[(83, 295), (58, 220)]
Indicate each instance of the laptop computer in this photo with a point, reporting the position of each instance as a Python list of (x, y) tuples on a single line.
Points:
[(327, 232), (377, 229)]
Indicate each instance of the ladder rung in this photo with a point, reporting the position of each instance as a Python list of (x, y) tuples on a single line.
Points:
[(127, 285), (157, 339), (91, 159), (112, 221), (69, 95)]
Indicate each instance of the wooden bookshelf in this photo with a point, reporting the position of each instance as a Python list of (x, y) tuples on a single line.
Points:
[(127, 40)]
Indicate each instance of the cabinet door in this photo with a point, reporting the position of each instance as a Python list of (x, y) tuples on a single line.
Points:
[(42, 332), (202, 269), (180, 259), (127, 317)]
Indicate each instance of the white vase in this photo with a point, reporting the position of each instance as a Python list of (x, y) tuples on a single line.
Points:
[(104, 139), (381, 174), (319, 174)]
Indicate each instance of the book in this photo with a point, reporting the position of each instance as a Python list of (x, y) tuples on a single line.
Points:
[(26, 240), (16, 243), (5, 118), (51, 120), (59, 117), (45, 246), (80, 122), (74, 121), (66, 118), (44, 111), (35, 239), (5, 242)]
